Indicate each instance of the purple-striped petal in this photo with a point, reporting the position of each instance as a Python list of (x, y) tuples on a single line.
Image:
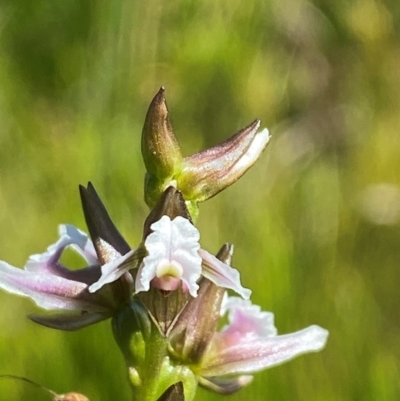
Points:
[(208, 172)]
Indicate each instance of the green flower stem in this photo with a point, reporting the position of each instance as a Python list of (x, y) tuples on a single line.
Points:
[(151, 371)]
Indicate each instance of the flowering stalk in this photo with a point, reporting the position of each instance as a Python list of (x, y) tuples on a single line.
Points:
[(165, 297), (151, 370)]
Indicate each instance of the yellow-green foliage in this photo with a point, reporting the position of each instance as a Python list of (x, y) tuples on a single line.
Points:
[(315, 222)]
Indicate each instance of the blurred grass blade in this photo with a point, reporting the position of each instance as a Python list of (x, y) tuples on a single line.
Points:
[(56, 397)]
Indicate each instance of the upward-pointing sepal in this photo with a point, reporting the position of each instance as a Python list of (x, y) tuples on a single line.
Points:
[(106, 238), (160, 149), (196, 325), (171, 204)]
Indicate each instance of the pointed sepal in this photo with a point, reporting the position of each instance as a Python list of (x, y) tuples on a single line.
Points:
[(106, 238), (172, 204), (196, 325), (160, 149)]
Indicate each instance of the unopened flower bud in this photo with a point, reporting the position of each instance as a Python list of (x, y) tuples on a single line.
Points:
[(210, 171), (202, 175), (160, 149), (172, 204)]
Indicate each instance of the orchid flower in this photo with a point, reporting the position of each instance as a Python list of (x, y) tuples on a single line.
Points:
[(52, 286), (166, 297), (224, 360), (170, 257), (249, 343)]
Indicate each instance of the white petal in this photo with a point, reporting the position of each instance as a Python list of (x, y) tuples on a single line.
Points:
[(75, 235), (222, 274), (174, 243), (113, 270)]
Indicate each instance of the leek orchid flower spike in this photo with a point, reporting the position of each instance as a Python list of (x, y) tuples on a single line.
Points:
[(54, 287), (202, 175)]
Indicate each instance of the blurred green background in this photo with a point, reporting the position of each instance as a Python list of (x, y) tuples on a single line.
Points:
[(315, 222)]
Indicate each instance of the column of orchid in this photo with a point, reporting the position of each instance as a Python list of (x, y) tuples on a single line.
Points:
[(165, 297)]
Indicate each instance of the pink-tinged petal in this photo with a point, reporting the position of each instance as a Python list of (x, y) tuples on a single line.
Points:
[(208, 172), (226, 153), (113, 270), (231, 354), (172, 253), (47, 262), (247, 319), (69, 322), (222, 274), (49, 291)]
